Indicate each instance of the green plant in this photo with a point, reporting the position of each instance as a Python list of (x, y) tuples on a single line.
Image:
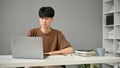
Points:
[(84, 66), (88, 66)]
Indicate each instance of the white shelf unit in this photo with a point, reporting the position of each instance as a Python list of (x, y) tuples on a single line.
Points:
[(111, 28)]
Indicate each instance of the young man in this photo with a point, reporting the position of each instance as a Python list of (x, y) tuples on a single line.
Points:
[(54, 42)]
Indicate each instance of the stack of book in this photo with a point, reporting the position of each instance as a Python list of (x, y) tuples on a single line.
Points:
[(111, 34), (119, 47), (85, 53)]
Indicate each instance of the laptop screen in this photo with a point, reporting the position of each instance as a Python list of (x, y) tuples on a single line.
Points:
[(27, 47)]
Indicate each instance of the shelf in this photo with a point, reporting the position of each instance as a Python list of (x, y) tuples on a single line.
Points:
[(117, 18), (118, 51), (108, 26), (109, 53), (111, 28), (117, 5), (107, 1), (117, 32), (117, 38), (108, 45), (109, 6), (117, 55), (109, 13), (117, 46), (108, 38), (108, 32), (109, 19), (117, 25), (117, 11)]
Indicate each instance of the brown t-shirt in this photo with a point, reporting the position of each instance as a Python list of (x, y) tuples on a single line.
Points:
[(52, 41)]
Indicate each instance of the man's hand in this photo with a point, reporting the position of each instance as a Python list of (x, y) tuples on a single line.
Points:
[(53, 53)]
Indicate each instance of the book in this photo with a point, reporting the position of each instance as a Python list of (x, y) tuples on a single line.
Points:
[(85, 53)]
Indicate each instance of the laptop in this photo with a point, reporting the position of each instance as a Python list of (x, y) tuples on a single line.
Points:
[(27, 47)]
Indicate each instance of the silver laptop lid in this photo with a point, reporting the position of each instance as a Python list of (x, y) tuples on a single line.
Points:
[(27, 47)]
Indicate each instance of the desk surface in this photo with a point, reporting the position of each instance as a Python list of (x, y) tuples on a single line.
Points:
[(8, 61)]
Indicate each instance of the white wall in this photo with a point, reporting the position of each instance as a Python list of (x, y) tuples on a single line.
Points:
[(80, 21)]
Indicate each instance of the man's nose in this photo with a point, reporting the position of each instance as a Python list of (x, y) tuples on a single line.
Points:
[(44, 20)]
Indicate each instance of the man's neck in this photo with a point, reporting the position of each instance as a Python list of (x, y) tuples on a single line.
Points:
[(46, 30)]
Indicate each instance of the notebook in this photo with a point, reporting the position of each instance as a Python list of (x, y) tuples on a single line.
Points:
[(27, 47)]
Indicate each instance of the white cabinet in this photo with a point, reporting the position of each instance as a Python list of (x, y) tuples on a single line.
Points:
[(111, 27)]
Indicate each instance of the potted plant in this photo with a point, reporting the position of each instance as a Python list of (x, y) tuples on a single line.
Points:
[(88, 66)]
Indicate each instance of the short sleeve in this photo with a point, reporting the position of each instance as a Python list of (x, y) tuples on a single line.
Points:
[(63, 43)]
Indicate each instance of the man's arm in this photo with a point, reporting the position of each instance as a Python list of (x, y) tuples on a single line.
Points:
[(68, 50)]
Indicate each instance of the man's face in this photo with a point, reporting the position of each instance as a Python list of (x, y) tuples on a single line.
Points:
[(45, 22)]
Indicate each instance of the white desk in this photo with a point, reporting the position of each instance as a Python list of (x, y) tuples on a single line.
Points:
[(8, 61)]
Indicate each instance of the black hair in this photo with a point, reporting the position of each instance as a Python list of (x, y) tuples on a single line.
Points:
[(46, 12)]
